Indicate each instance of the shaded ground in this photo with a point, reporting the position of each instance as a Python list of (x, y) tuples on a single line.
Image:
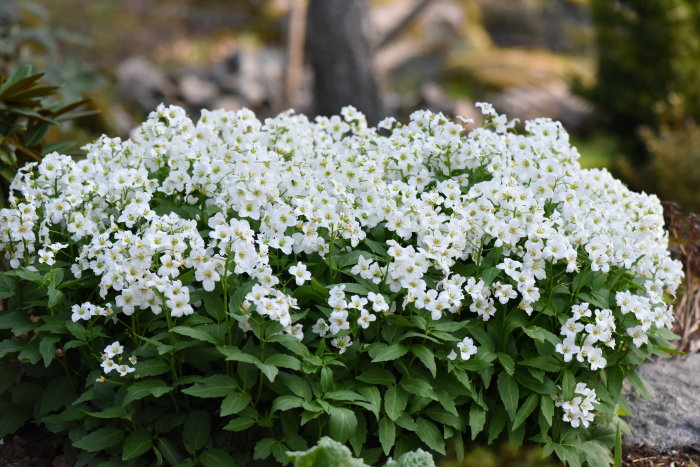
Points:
[(34, 447)]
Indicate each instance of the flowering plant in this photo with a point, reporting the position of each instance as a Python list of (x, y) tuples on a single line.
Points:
[(237, 288)]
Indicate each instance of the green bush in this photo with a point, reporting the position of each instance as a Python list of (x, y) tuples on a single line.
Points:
[(647, 51), (226, 291)]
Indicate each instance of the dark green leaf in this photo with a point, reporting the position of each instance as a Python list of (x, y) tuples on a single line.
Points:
[(425, 356), (153, 367), (240, 423), (144, 388), (384, 352), (387, 434), (216, 458), (194, 333), (507, 362), (195, 433), (419, 387), (542, 362), (213, 386), (373, 397), (431, 435), (508, 389), (283, 403), (137, 443), (234, 403), (547, 408), (100, 439), (525, 410), (263, 448), (283, 361), (477, 419), (395, 401), (342, 423), (376, 375), (169, 451)]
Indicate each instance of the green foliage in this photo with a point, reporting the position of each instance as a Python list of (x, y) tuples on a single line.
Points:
[(330, 452), (648, 50), (25, 120)]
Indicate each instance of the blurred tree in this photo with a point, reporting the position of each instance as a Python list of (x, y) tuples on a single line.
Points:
[(341, 57), (648, 50)]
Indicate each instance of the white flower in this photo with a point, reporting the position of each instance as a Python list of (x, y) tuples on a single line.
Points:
[(466, 348), (321, 327), (341, 343), (300, 273), (113, 349), (365, 319)]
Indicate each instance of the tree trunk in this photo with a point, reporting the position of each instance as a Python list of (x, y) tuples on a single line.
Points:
[(341, 58)]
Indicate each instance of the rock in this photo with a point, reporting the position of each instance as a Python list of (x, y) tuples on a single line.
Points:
[(672, 418), (140, 81), (553, 100), (197, 91)]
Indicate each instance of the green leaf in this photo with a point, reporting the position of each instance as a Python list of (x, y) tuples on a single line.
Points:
[(284, 361), (115, 411), (100, 439), (384, 352), (343, 395), (568, 385), (153, 367), (7, 286), (297, 385), (213, 386), (169, 451), (541, 335), (47, 348), (373, 397), (425, 356), (195, 433), (508, 389), (268, 370), (55, 296), (419, 387), (547, 407), (395, 401), (342, 423), (387, 434), (618, 447), (194, 333), (10, 346), (430, 434), (377, 375), (507, 362), (525, 410), (477, 420), (263, 448), (497, 421), (234, 403), (137, 443), (542, 362), (240, 423), (235, 354), (145, 388), (287, 402), (13, 418), (216, 458)]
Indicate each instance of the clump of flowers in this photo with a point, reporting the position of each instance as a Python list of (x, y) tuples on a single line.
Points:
[(413, 280)]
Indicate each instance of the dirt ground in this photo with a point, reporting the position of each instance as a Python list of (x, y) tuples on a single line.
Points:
[(34, 447)]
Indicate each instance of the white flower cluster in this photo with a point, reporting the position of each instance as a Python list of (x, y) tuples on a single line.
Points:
[(466, 349), (112, 360), (579, 410), (226, 194)]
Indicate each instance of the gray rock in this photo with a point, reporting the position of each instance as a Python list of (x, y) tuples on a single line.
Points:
[(140, 81), (673, 416), (197, 91)]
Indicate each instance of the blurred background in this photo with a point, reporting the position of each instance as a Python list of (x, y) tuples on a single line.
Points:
[(621, 75)]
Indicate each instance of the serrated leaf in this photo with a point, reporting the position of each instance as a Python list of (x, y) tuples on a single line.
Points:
[(269, 371), (234, 403), (477, 420), (283, 361), (194, 333), (7, 286), (507, 362), (169, 451), (263, 448), (430, 435), (137, 443), (395, 401), (286, 402), (419, 387), (377, 376), (233, 353), (525, 410), (547, 408), (213, 386), (425, 356), (100, 439), (153, 367), (387, 434), (240, 423), (385, 353), (145, 388), (542, 362), (342, 423), (373, 397), (508, 390)]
